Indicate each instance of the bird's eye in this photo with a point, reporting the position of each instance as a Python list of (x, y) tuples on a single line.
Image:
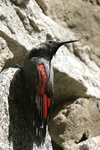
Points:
[(50, 41)]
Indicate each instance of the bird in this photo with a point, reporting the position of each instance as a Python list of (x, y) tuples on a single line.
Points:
[(39, 76)]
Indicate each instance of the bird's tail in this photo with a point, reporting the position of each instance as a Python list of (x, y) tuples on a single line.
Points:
[(42, 105)]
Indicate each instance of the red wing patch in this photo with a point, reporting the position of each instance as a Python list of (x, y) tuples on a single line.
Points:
[(42, 102), (40, 88)]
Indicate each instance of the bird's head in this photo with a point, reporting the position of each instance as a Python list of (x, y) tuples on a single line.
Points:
[(48, 49), (51, 47)]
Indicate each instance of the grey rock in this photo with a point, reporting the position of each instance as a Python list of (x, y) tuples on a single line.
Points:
[(5, 53), (20, 2), (90, 144), (75, 122), (81, 17), (16, 129), (98, 2)]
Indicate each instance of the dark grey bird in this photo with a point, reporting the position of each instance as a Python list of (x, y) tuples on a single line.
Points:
[(39, 77)]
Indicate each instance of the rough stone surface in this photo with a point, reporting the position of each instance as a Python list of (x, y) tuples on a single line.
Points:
[(73, 121), (81, 16), (5, 53), (16, 130), (20, 2), (24, 24), (90, 144)]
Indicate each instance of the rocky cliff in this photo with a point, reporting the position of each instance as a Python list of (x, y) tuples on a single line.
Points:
[(75, 119)]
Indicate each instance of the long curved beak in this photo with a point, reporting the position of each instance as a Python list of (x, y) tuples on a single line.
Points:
[(57, 44), (66, 42)]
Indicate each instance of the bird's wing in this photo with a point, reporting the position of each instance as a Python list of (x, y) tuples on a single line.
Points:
[(30, 76), (42, 101)]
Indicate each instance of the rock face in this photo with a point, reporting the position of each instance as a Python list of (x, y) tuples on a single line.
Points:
[(16, 129), (82, 17), (5, 53), (90, 144), (75, 122), (76, 117)]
